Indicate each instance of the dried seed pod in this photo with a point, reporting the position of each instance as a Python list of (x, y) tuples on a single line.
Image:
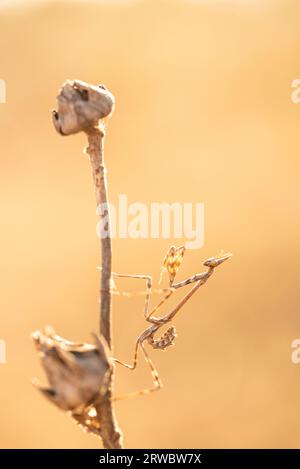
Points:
[(77, 373), (81, 106), (173, 260)]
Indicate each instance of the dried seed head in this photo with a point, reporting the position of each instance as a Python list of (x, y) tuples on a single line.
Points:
[(217, 260), (173, 260), (77, 373), (81, 106)]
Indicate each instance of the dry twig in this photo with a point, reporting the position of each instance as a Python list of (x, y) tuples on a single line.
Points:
[(81, 107)]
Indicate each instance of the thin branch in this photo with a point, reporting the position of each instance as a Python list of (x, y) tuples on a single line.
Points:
[(81, 107), (109, 430), (95, 151)]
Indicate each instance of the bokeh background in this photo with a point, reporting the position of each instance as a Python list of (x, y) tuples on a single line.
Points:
[(203, 114)]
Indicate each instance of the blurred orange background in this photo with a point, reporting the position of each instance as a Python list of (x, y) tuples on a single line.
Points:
[(203, 114)]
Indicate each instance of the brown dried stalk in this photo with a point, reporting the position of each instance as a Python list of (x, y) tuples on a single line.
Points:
[(110, 432), (80, 108)]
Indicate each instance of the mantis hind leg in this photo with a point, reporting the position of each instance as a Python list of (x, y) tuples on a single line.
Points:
[(156, 379)]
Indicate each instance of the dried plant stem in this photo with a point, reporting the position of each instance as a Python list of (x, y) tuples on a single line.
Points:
[(95, 151), (110, 432)]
